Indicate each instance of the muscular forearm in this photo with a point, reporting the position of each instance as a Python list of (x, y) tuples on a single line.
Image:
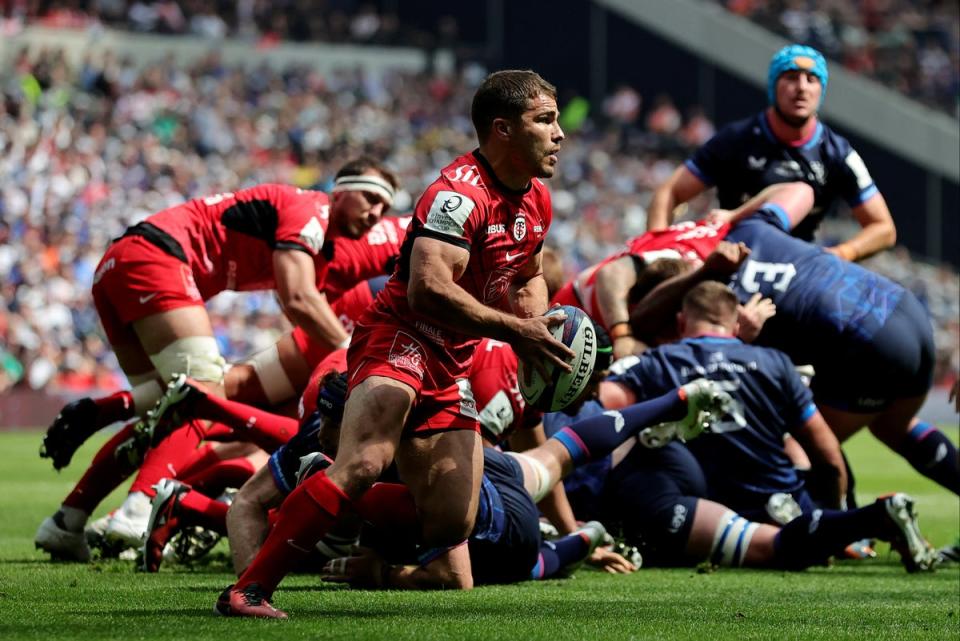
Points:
[(314, 315), (450, 306), (660, 212), (530, 298), (556, 508), (873, 238)]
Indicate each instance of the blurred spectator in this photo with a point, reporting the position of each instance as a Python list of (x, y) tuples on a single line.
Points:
[(912, 46)]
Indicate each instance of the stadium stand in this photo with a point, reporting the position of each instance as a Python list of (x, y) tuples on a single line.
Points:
[(87, 149), (909, 46)]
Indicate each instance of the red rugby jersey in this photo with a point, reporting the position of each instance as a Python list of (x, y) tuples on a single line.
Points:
[(502, 228), (357, 260), (493, 378), (228, 239)]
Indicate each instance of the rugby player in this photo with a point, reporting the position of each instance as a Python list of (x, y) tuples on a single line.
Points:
[(869, 340), (270, 236), (786, 142), (473, 251)]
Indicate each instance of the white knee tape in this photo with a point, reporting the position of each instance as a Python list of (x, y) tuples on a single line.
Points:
[(146, 391), (274, 381), (732, 539), (544, 482), (196, 356)]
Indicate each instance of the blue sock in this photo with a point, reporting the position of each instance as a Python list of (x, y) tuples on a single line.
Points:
[(811, 539), (932, 454), (557, 555), (597, 436)]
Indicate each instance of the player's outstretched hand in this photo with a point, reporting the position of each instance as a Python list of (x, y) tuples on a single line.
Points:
[(757, 311), (362, 570), (726, 258), (534, 344), (611, 562)]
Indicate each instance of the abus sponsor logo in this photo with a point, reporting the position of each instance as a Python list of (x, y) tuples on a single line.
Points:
[(519, 227), (496, 229), (407, 353), (583, 368), (109, 264)]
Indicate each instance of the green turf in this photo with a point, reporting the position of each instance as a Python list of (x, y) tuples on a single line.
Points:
[(852, 600)]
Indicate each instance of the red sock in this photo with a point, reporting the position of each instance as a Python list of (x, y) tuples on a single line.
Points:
[(203, 457), (198, 509), (266, 430), (304, 518), (105, 474), (116, 407), (213, 480), (167, 458), (388, 505)]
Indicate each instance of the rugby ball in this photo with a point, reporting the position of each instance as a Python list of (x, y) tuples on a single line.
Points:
[(562, 388)]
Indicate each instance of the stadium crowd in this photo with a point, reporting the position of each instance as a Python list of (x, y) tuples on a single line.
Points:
[(908, 45), (87, 151)]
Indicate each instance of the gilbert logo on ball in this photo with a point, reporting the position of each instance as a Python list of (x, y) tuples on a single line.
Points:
[(562, 388)]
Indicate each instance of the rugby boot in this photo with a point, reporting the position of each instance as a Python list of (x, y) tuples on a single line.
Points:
[(63, 545), (75, 423), (248, 602), (916, 554), (163, 522), (707, 404)]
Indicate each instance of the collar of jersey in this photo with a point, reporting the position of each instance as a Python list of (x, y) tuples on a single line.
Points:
[(710, 338), (496, 181), (808, 144)]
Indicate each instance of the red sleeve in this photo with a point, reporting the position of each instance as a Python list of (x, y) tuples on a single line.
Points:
[(453, 213), (302, 219)]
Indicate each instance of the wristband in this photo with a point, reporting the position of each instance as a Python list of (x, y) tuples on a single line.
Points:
[(620, 329)]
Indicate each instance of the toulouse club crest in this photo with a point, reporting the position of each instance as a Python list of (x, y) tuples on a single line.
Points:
[(519, 227)]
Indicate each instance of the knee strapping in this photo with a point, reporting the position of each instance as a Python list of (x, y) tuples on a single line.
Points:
[(196, 356), (273, 379), (732, 539), (542, 476)]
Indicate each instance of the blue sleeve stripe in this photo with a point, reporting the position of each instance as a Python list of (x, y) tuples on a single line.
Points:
[(569, 439), (864, 195), (699, 173), (808, 411), (780, 213), (277, 472)]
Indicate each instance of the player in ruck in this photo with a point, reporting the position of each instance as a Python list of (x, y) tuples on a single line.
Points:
[(149, 291), (470, 267)]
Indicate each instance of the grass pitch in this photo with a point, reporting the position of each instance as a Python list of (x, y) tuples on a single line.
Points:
[(108, 600)]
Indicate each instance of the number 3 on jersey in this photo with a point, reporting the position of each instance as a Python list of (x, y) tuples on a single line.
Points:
[(755, 273)]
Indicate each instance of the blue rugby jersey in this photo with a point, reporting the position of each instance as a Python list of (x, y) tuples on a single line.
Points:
[(764, 383), (823, 303), (744, 157)]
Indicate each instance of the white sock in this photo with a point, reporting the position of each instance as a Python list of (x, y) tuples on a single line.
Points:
[(74, 518), (136, 504)]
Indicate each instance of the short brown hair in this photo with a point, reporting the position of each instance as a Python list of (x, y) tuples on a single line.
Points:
[(712, 301), (504, 94), (357, 166), (650, 275)]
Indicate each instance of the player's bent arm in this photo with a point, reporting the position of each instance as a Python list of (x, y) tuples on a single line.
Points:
[(435, 265), (878, 230), (366, 569), (656, 310), (304, 304), (680, 187), (823, 448), (794, 199), (554, 505), (247, 522), (528, 290), (613, 283)]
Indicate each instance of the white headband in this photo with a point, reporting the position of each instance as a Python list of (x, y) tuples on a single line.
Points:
[(366, 182)]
